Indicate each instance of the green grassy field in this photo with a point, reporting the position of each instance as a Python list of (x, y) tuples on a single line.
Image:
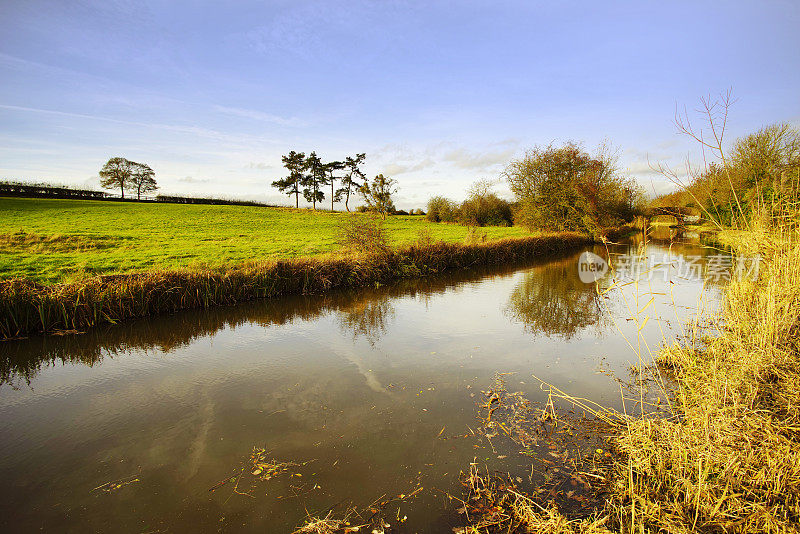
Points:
[(53, 240)]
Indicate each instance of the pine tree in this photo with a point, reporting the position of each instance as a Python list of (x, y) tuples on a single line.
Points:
[(295, 163)]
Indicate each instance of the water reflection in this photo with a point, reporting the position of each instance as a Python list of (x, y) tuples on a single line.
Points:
[(553, 301), (367, 317), (365, 313), (549, 299)]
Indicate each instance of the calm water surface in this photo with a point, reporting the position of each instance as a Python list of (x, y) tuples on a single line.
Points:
[(363, 386)]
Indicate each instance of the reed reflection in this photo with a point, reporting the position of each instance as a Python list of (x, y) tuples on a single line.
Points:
[(366, 313)]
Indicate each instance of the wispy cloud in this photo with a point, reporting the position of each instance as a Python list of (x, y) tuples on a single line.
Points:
[(478, 161), (261, 116), (193, 130), (403, 159), (394, 169), (191, 180)]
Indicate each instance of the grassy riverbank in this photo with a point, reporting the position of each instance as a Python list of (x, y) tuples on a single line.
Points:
[(728, 457), (54, 240), (28, 307)]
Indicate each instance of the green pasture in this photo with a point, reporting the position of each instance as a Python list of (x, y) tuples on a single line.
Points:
[(53, 240)]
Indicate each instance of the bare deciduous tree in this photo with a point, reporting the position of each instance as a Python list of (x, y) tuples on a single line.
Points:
[(378, 194), (143, 179), (116, 173)]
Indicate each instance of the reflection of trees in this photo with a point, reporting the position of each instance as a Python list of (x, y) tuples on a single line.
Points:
[(20, 361), (552, 300), (366, 312), (368, 317)]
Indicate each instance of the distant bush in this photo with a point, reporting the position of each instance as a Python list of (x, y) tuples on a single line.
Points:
[(485, 210), (566, 188), (362, 233), (441, 209), (482, 208)]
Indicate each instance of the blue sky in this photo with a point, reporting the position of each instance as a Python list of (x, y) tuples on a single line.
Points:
[(438, 94)]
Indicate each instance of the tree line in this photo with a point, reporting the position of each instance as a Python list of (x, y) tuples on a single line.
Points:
[(311, 176), (555, 188), (125, 175), (482, 207)]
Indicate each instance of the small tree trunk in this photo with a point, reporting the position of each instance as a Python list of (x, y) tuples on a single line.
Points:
[(346, 200), (331, 194), (122, 190), (297, 199)]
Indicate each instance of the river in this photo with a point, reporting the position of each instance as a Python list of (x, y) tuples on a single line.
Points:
[(367, 394)]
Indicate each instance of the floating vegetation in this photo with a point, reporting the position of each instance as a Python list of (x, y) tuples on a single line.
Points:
[(373, 519), (258, 468), (570, 462), (494, 504), (114, 485), (327, 525)]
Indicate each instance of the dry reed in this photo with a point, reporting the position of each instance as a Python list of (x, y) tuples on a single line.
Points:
[(731, 461), (728, 460)]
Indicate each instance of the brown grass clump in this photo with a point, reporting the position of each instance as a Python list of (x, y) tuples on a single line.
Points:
[(363, 234)]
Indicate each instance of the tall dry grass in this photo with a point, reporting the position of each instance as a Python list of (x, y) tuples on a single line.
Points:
[(730, 460), (728, 457)]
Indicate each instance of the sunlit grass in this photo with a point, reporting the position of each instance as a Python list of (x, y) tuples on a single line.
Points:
[(53, 240)]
